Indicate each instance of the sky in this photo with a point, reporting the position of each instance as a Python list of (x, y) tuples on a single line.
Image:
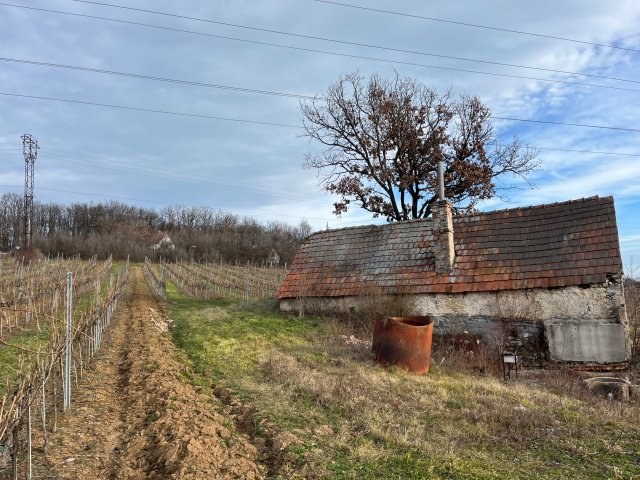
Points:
[(248, 160)]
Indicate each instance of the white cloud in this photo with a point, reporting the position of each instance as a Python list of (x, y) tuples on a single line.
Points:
[(270, 158)]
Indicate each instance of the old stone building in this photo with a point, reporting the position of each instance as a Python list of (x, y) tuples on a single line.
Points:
[(548, 276)]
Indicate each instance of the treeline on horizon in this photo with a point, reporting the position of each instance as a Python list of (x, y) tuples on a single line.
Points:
[(198, 233)]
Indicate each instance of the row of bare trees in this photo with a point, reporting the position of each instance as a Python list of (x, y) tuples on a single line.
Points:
[(113, 227), (632, 302)]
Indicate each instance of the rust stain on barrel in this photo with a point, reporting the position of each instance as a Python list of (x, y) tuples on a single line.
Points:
[(404, 342)]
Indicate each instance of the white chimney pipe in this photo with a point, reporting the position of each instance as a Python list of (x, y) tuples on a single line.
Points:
[(444, 249), (440, 182)]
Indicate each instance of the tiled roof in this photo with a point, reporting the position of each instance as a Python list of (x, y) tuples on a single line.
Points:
[(156, 237), (556, 245)]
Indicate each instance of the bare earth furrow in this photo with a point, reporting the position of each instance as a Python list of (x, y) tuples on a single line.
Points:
[(135, 416)]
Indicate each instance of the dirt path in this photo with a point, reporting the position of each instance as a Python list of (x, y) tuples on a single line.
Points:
[(136, 418)]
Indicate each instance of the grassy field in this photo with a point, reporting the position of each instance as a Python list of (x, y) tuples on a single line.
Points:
[(318, 407)]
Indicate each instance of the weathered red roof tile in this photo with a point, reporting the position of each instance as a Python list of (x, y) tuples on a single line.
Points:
[(545, 246)]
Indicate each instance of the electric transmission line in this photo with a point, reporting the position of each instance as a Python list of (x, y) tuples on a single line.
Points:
[(267, 92), (325, 39), (466, 24), (155, 78), (164, 202), (553, 149), (172, 175), (242, 120), (149, 110)]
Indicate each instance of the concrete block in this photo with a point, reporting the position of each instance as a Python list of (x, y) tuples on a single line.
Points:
[(593, 342), (610, 387)]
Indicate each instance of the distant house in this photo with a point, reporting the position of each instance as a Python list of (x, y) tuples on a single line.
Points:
[(160, 241), (546, 277), (273, 259)]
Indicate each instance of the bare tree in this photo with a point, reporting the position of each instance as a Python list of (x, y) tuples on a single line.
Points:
[(11, 205), (125, 231), (632, 304), (383, 139)]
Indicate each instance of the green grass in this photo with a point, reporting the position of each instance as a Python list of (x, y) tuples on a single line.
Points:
[(11, 357), (302, 378), (229, 343)]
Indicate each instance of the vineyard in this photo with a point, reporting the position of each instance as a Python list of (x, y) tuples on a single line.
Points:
[(294, 397), (158, 287), (209, 281), (42, 354), (52, 317)]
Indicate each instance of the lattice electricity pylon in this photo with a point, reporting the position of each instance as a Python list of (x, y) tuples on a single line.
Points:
[(30, 152)]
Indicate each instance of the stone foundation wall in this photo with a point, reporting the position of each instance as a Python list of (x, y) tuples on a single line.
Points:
[(571, 324), (524, 337)]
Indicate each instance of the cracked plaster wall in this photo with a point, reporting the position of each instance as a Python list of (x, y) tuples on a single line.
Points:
[(585, 325)]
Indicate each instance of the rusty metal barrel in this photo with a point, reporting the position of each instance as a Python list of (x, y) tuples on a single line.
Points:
[(404, 342)]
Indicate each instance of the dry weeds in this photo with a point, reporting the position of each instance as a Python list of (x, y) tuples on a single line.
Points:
[(459, 415), (306, 377)]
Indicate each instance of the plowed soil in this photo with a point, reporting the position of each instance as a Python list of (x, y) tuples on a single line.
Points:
[(136, 417)]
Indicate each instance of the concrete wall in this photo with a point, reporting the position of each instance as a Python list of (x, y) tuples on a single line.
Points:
[(595, 343), (572, 324)]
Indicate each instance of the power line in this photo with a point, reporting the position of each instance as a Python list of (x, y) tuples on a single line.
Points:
[(213, 180), (474, 25), (152, 77), (581, 125), (400, 62), (149, 173), (569, 150), (166, 112), (72, 154), (203, 180), (588, 152), (149, 110), (250, 212), (593, 152), (344, 42), (163, 202), (169, 174), (176, 176), (266, 92), (251, 187)]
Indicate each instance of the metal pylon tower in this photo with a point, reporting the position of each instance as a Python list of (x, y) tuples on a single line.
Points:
[(30, 152)]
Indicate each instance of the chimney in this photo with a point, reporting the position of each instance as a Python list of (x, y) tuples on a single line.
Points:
[(442, 229)]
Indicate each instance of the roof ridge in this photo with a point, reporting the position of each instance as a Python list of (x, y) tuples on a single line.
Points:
[(468, 215), (370, 225), (608, 198)]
